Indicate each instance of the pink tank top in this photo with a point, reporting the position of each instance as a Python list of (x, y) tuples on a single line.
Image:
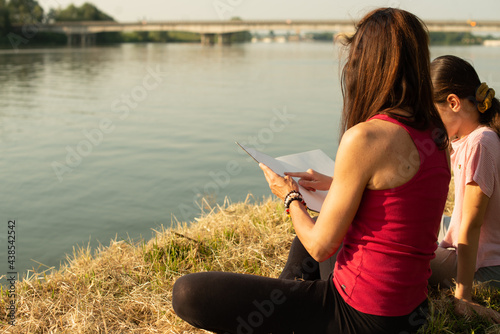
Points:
[(383, 266)]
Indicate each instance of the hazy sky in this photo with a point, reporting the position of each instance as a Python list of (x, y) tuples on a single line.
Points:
[(133, 10)]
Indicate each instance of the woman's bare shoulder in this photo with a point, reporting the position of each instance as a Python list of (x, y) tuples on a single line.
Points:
[(364, 140), (368, 132), (377, 140)]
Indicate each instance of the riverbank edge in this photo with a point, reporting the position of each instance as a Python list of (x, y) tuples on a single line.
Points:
[(126, 286)]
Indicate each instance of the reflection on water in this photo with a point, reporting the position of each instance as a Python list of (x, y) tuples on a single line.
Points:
[(114, 141)]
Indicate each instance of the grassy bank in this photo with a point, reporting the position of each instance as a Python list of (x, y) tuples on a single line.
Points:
[(126, 287)]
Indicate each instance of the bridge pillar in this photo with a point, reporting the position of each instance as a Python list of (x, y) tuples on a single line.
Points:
[(207, 39), (69, 39), (87, 39), (224, 39), (83, 40)]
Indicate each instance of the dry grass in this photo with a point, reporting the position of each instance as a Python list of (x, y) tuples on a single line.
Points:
[(126, 287), (448, 208)]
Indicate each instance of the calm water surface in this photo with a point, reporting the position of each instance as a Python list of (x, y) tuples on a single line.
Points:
[(115, 141)]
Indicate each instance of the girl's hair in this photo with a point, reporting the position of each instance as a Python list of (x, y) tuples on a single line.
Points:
[(453, 75), (388, 68)]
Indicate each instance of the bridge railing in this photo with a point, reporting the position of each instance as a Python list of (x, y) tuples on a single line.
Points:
[(84, 28)]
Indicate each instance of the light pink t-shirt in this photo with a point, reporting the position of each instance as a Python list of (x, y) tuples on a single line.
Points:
[(476, 157)]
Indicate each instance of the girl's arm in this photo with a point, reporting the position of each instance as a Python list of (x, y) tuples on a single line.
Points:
[(473, 212)]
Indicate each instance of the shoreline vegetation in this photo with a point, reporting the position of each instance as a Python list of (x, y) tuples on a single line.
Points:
[(19, 20), (126, 287)]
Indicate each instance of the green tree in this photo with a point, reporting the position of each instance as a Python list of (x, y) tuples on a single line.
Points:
[(242, 36), (323, 36), (86, 12), (454, 38), (158, 36), (5, 26), (70, 13), (90, 12), (25, 11)]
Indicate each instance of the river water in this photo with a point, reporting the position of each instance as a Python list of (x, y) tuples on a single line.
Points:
[(109, 142)]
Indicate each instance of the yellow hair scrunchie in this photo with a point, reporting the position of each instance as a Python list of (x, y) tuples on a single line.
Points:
[(485, 96)]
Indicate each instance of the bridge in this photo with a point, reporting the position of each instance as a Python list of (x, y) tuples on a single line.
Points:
[(84, 32)]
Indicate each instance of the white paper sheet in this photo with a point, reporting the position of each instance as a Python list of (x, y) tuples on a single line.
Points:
[(299, 162)]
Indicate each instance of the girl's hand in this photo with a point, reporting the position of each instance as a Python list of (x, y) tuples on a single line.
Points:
[(280, 186), (312, 180), (467, 308)]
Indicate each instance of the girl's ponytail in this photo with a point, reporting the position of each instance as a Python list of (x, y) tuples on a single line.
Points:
[(489, 107)]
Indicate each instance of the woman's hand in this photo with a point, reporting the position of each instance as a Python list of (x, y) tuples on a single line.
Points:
[(467, 308), (312, 180), (280, 186)]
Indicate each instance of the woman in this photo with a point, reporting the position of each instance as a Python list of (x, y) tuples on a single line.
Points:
[(385, 205), (470, 249)]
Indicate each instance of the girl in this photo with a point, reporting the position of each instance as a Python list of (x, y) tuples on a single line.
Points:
[(470, 249)]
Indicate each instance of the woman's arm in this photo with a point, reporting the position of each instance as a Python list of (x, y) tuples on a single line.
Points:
[(473, 212), (357, 158)]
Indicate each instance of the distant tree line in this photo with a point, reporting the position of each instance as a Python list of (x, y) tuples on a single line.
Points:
[(457, 38), (86, 12), (436, 38), (19, 20)]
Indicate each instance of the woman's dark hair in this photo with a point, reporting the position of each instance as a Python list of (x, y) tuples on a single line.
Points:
[(453, 75), (388, 68)]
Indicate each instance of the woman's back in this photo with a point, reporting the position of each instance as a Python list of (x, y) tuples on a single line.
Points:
[(395, 226), (395, 160)]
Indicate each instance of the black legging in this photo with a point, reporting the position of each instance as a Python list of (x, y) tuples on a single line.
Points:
[(302, 266), (248, 304)]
